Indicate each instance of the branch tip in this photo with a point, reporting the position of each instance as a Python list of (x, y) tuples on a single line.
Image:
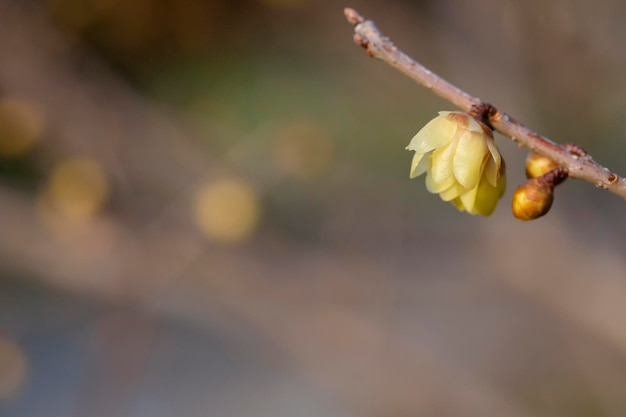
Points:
[(353, 16)]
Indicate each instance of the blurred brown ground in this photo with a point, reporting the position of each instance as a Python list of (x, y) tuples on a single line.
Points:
[(205, 210)]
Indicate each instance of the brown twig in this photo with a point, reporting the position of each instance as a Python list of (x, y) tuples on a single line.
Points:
[(578, 163)]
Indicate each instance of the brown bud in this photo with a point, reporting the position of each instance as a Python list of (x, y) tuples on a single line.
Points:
[(532, 199), (538, 165)]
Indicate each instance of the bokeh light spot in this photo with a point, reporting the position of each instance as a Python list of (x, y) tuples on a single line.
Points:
[(21, 126), (304, 149), (227, 210), (77, 189), (13, 368)]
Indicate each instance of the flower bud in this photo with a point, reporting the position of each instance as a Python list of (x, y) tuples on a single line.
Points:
[(538, 165), (532, 199)]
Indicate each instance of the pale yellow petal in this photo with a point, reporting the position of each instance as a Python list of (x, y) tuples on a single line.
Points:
[(468, 159), (495, 153), (438, 187), (438, 132), (458, 204), (460, 119), (485, 208), (501, 185), (491, 172), (452, 193), (419, 164), (433, 187), (474, 126), (488, 196), (441, 166), (469, 199)]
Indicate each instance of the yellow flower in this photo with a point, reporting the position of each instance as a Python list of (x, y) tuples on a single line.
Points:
[(461, 162)]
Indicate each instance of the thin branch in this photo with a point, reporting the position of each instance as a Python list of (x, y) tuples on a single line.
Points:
[(571, 157)]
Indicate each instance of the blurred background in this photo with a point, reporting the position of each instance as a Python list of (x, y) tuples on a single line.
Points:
[(205, 210)]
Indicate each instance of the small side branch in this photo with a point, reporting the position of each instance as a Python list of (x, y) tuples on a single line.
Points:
[(573, 158)]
